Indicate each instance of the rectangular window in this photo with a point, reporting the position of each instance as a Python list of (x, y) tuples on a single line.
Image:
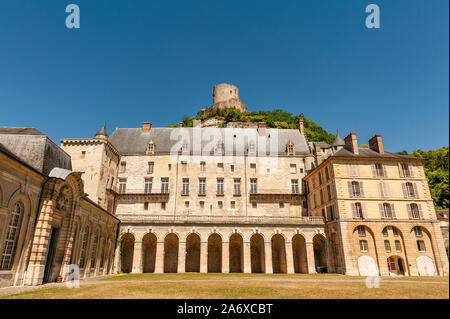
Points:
[(361, 231), (421, 245), (409, 190), (405, 170), (232, 168), (418, 231), (220, 186), (395, 232), (183, 167), (151, 166), (123, 167), (220, 167), (281, 204), (232, 204), (163, 206), (253, 168), (122, 185), (355, 189), (294, 186), (398, 246), (414, 211), (169, 167), (202, 186), (83, 154), (146, 206), (253, 186), (237, 186), (387, 246), (363, 246), (148, 185), (202, 204), (185, 189), (202, 166), (186, 204), (254, 205), (220, 204), (293, 168), (387, 212), (358, 210), (164, 185), (378, 170), (329, 192)]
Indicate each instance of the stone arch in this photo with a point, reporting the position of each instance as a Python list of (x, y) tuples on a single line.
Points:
[(369, 237), (257, 253), (278, 243), (425, 266), (320, 253), (236, 253), (396, 265), (193, 252), (127, 252), (171, 244), (149, 246), (299, 254), (427, 238), (403, 254), (214, 253), (77, 234)]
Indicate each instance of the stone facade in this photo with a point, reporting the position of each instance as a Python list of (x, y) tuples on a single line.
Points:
[(46, 221)]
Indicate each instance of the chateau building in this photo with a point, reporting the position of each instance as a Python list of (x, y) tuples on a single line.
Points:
[(46, 221), (241, 198)]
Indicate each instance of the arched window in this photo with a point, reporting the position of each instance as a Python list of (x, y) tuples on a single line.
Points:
[(12, 235), (385, 232), (84, 248)]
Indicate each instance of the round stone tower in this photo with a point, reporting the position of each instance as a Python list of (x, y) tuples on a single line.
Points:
[(224, 92)]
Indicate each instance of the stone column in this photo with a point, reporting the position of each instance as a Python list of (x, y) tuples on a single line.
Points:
[(268, 257), (182, 257), (137, 258), (289, 258), (247, 258), (116, 260), (159, 262), (225, 257), (204, 257), (310, 258)]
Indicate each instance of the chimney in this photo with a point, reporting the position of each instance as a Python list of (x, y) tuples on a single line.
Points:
[(262, 128), (181, 124), (301, 127), (376, 144), (351, 143), (317, 148), (146, 126)]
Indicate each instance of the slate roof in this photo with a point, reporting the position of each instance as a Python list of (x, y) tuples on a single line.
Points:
[(134, 141), (20, 131), (338, 141), (368, 153)]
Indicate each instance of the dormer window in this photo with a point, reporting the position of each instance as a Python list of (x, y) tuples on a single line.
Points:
[(151, 148), (290, 148)]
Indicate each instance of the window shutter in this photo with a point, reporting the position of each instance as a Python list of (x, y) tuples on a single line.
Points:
[(420, 210), (381, 210), (400, 171), (411, 172), (350, 189), (386, 189), (384, 170), (408, 208), (355, 213), (363, 210), (393, 211), (361, 189), (405, 195), (380, 189), (416, 191), (374, 171)]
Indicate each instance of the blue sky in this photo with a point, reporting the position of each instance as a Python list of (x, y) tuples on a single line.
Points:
[(135, 61)]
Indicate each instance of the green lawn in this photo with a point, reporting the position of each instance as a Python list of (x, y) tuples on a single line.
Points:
[(252, 286)]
